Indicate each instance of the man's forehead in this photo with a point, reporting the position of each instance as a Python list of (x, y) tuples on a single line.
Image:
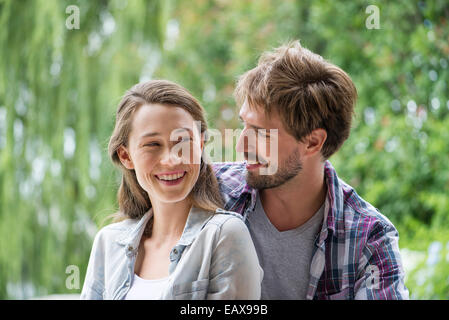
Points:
[(257, 114), (251, 111)]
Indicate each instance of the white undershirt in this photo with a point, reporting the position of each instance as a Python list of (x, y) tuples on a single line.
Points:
[(142, 289)]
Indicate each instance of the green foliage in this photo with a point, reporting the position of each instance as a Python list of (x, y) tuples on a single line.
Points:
[(58, 93), (428, 277), (59, 89)]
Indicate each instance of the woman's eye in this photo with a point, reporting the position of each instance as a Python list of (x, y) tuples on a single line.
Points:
[(151, 144), (185, 139)]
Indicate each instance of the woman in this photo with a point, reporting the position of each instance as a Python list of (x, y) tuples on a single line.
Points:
[(172, 240)]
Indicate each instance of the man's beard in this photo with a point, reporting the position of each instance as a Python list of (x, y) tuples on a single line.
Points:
[(288, 170)]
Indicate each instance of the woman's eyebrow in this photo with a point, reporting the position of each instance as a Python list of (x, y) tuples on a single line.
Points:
[(182, 129), (150, 134)]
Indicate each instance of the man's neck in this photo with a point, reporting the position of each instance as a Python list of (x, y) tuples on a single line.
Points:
[(296, 201)]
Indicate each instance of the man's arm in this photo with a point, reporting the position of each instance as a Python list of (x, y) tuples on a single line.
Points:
[(381, 274)]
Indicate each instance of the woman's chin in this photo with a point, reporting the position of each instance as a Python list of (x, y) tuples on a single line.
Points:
[(172, 190), (170, 195), (174, 198)]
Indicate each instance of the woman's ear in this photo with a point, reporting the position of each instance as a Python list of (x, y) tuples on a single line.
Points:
[(125, 157)]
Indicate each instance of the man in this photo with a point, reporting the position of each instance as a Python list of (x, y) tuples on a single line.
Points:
[(314, 236)]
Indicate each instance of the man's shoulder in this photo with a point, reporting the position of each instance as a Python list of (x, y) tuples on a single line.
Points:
[(231, 177), (360, 216), (363, 240), (351, 213), (223, 169)]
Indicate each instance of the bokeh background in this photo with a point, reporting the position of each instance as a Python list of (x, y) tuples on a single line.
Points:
[(59, 89)]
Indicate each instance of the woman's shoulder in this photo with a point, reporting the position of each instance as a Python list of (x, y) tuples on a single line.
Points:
[(227, 219), (115, 229), (226, 214), (229, 231)]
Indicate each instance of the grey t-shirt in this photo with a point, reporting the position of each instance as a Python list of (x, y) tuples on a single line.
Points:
[(284, 256)]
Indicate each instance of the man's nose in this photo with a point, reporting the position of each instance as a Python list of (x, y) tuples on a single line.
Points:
[(246, 142)]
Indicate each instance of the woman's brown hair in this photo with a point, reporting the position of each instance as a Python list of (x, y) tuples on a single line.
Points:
[(133, 200)]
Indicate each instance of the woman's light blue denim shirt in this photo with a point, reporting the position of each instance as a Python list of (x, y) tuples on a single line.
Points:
[(215, 258)]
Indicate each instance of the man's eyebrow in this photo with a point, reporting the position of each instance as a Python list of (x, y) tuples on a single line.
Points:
[(253, 126)]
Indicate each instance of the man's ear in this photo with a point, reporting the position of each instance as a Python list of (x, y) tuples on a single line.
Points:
[(125, 157), (315, 141)]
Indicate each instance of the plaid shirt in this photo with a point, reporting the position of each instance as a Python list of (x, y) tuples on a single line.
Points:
[(356, 254)]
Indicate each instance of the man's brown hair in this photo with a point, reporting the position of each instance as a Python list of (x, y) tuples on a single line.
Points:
[(306, 91)]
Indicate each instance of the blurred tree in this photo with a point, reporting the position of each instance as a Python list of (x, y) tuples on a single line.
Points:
[(59, 89)]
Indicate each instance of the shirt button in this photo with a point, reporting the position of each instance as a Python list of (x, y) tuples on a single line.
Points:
[(175, 251), (130, 248)]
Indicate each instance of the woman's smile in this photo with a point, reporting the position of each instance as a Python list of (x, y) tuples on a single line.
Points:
[(171, 178)]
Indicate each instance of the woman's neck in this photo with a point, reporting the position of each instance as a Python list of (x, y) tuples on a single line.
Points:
[(169, 220)]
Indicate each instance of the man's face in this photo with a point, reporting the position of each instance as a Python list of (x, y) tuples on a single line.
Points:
[(261, 151)]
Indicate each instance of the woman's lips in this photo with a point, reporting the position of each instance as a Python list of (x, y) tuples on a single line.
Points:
[(170, 173), (171, 182)]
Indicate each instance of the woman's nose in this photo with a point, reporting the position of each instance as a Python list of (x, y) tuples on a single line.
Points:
[(170, 158)]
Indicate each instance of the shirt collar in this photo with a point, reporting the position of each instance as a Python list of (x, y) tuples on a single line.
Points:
[(234, 184), (334, 202), (196, 220), (132, 234), (251, 193)]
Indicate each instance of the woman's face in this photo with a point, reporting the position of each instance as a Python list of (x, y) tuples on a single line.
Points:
[(164, 149)]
